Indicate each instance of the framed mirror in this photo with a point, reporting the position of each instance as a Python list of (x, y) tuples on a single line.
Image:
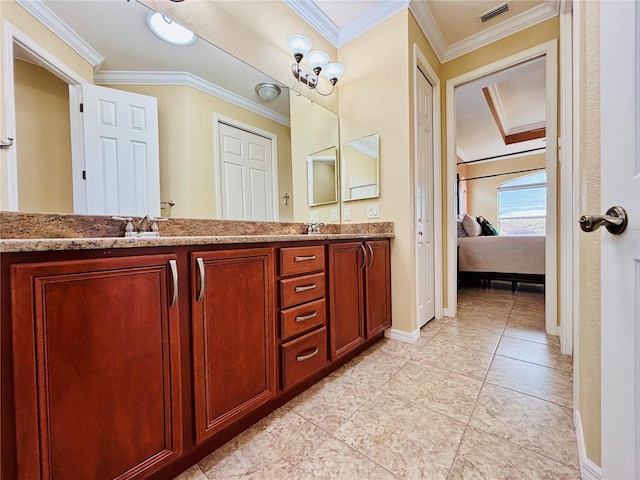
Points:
[(199, 88), (360, 168), (322, 177)]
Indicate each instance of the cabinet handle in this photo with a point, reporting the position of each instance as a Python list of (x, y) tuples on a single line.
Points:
[(364, 256), (200, 262), (371, 252), (302, 259), (306, 317), (305, 288), (302, 358), (174, 276)]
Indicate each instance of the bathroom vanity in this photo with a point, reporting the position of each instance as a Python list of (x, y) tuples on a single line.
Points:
[(135, 358)]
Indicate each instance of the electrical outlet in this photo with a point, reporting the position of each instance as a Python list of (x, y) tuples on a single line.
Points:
[(373, 211), (346, 216), (334, 214), (313, 217)]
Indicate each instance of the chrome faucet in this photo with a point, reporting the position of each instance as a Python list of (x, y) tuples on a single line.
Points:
[(314, 227), (147, 227)]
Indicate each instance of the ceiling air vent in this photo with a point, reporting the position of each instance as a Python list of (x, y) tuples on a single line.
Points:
[(493, 13)]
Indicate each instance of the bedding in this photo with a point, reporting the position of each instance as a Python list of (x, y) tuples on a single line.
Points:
[(515, 258)]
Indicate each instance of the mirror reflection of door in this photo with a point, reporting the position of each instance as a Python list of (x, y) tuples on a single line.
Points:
[(360, 176), (321, 177), (246, 175)]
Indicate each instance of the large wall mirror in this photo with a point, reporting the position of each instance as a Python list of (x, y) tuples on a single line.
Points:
[(360, 168), (223, 150)]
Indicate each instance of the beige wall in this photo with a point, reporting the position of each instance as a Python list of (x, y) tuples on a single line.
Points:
[(313, 129), (588, 346), (374, 98), (187, 157), (42, 121), (482, 194)]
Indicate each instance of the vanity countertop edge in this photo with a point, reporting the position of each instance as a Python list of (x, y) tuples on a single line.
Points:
[(61, 244)]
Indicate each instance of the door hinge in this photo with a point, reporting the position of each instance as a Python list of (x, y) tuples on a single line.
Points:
[(82, 108), (84, 174)]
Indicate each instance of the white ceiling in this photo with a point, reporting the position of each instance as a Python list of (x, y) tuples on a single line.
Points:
[(521, 92)]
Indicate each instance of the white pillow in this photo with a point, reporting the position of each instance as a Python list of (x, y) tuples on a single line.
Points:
[(471, 226), (461, 232)]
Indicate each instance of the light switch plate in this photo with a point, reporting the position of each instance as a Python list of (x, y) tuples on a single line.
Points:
[(373, 211), (346, 214), (334, 214), (313, 217)]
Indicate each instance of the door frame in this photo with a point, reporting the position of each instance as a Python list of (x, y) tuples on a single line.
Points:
[(421, 62), (550, 51), (10, 36), (272, 137)]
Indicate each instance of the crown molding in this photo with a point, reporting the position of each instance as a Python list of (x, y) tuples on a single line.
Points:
[(362, 148), (114, 77), (527, 19), (315, 17), (54, 23), (445, 53), (370, 19), (429, 26)]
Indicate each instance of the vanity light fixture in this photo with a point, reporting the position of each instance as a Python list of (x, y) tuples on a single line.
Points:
[(268, 91), (300, 47), (169, 31)]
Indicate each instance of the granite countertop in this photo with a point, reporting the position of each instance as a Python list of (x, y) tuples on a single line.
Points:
[(52, 244)]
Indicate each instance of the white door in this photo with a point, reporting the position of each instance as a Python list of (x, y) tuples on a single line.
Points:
[(425, 270), (245, 175), (121, 152), (620, 254)]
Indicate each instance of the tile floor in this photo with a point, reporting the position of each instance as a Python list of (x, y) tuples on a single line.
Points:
[(486, 395)]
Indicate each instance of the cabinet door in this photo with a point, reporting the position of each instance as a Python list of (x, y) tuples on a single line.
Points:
[(378, 287), (233, 335), (346, 297), (96, 365)]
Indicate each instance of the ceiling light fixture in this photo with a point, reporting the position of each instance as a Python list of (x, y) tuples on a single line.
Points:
[(300, 47), (268, 91), (169, 31)]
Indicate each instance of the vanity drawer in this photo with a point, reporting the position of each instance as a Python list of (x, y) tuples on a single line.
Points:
[(302, 318), (294, 291), (297, 260), (303, 357)]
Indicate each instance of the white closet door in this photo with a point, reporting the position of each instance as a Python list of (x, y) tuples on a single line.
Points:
[(121, 152), (425, 259), (246, 175)]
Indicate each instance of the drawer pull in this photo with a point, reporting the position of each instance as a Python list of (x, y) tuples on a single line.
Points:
[(302, 318), (305, 288), (302, 358), (302, 259)]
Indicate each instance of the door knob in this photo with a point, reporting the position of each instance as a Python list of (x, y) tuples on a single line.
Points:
[(615, 221)]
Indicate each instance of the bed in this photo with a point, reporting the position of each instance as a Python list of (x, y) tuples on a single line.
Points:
[(512, 258)]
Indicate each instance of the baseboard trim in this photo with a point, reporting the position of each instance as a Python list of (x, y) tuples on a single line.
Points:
[(445, 312), (588, 469), (402, 336)]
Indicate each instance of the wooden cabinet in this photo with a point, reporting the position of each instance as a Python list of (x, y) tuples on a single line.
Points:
[(96, 367), (359, 293), (302, 311), (233, 335)]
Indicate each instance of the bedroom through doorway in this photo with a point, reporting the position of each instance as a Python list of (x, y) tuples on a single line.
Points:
[(503, 196)]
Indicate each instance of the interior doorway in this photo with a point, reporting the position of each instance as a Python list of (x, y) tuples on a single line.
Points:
[(522, 143)]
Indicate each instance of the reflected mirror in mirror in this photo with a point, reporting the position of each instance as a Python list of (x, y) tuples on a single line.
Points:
[(197, 89), (322, 177), (360, 168)]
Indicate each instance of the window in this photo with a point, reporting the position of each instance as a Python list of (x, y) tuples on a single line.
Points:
[(522, 205)]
